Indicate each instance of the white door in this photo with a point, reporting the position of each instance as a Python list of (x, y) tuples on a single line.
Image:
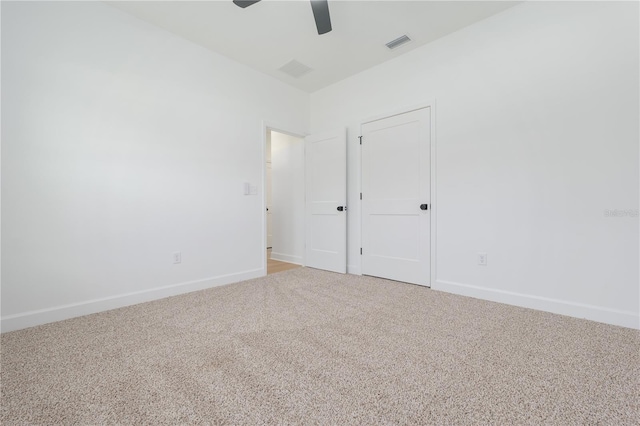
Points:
[(325, 203), (396, 206), (269, 207)]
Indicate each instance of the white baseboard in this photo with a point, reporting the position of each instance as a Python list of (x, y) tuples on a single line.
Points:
[(286, 258), (59, 313), (578, 310), (354, 269)]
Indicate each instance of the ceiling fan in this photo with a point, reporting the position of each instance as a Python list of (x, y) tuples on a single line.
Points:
[(320, 13)]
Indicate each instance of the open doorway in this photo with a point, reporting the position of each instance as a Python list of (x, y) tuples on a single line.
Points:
[(284, 189)]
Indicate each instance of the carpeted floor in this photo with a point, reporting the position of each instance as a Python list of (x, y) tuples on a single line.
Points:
[(313, 347)]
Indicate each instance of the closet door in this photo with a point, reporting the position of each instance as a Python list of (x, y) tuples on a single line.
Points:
[(396, 186)]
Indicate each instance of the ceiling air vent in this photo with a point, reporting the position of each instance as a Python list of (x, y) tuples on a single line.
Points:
[(295, 69), (398, 42)]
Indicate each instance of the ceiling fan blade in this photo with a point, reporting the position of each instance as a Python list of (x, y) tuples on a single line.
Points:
[(245, 3), (321, 15)]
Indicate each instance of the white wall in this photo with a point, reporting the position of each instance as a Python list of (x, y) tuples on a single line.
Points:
[(122, 144), (287, 167), (537, 135)]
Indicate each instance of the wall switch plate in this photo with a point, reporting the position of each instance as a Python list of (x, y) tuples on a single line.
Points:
[(253, 189), (177, 257), (482, 259), (246, 188)]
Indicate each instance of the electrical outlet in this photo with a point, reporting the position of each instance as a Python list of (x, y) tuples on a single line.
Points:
[(177, 257), (482, 259)]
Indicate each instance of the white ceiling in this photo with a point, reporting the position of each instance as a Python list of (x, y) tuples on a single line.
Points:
[(271, 33)]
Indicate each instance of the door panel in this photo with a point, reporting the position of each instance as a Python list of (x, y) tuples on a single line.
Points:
[(396, 180), (326, 190), (269, 207)]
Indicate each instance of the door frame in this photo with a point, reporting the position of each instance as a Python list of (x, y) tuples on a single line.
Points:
[(267, 126), (431, 104)]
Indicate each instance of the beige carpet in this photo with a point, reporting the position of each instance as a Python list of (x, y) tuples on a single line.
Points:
[(312, 347)]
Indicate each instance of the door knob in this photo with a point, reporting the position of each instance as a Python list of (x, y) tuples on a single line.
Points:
[(424, 206), (340, 208)]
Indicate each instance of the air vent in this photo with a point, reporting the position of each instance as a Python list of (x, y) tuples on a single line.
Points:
[(295, 69), (398, 42)]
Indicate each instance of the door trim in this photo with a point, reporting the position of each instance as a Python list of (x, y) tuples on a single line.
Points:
[(431, 104), (266, 126)]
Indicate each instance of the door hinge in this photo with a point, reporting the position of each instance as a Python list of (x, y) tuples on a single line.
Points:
[(361, 195), (360, 250), (360, 137)]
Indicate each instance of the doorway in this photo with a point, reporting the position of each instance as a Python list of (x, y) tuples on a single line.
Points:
[(396, 197), (284, 193)]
